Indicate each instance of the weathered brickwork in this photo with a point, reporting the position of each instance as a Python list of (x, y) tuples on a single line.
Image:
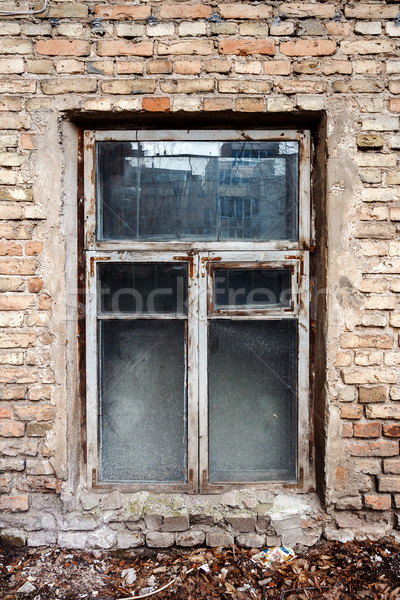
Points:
[(339, 60)]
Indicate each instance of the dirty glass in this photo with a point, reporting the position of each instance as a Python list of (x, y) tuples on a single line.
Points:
[(149, 288), (252, 385), (142, 401), (210, 191), (237, 288)]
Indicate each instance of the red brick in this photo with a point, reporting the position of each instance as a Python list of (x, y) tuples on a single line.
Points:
[(17, 266), (187, 67), (245, 47), (5, 484), (124, 48), (62, 47), (40, 484), (392, 465), (391, 430), (15, 302), (250, 104), (156, 104), (394, 105), (308, 48), (10, 429), (367, 430), (27, 140), (347, 430), (45, 302), (371, 11), (389, 484), (340, 478), (353, 340), (372, 394), (244, 11), (36, 412), (10, 249), (351, 412), (18, 375), (300, 86), (127, 67), (14, 503), (181, 47), (39, 393), (217, 65), (5, 412), (159, 66), (211, 104), (307, 9), (383, 448), (33, 248), (15, 232), (377, 502), (277, 67), (338, 29), (122, 12), (177, 11), (35, 284)]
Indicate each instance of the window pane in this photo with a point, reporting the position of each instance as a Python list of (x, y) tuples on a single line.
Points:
[(143, 404), (142, 288), (252, 400), (211, 191), (251, 288)]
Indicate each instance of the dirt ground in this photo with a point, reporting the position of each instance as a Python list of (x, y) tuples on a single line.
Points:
[(329, 570)]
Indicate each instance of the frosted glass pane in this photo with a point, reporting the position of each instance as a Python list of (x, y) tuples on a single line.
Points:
[(143, 403), (252, 400), (197, 190), (142, 288), (236, 289)]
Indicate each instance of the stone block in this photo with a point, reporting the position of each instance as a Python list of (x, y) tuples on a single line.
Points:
[(41, 538), (250, 540), (102, 538), (176, 523), (153, 522), (72, 540), (155, 539), (273, 540), (242, 524), (218, 538), (190, 538), (130, 540)]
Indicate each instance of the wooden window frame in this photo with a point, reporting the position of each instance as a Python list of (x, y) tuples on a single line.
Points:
[(202, 257)]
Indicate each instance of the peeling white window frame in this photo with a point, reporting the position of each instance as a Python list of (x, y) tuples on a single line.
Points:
[(200, 257)]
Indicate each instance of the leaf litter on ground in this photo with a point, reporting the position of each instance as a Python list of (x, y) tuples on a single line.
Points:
[(328, 571)]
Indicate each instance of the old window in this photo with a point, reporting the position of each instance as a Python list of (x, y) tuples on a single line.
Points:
[(197, 308)]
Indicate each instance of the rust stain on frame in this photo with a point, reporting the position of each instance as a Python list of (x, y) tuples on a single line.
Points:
[(205, 260), (188, 259), (94, 259), (301, 259)]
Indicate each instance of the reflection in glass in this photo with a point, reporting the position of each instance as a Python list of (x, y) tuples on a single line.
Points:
[(251, 288), (242, 190), (252, 381), (142, 401), (149, 288)]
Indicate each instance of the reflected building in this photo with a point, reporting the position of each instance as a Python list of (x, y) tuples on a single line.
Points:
[(199, 190)]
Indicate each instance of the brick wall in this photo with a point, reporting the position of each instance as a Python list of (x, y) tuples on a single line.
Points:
[(289, 60)]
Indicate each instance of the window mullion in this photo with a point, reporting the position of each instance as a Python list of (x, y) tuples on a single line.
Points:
[(192, 391), (91, 368), (202, 375)]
